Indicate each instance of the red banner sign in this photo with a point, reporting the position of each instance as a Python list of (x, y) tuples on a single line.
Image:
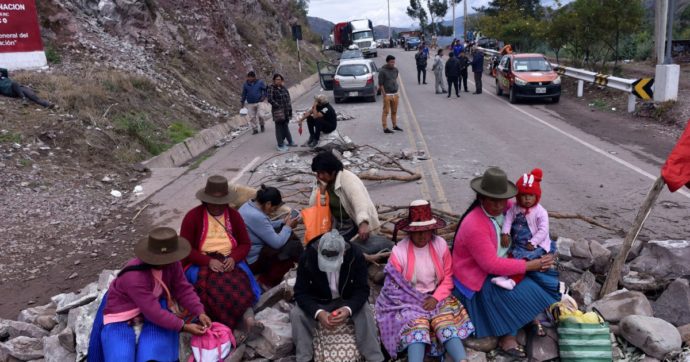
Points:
[(19, 31)]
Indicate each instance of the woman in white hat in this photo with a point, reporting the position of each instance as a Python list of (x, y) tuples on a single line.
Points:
[(415, 310)]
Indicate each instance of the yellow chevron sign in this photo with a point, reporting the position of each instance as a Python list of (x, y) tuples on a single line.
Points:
[(601, 79), (642, 88)]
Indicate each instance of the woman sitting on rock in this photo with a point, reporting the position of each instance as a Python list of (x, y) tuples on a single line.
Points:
[(273, 252), (496, 311), (145, 296), (216, 265), (415, 310)]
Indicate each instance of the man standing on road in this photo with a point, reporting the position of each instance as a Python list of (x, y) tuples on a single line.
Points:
[(420, 58), (437, 68), (452, 73), (477, 69), (253, 92), (388, 84), (464, 64)]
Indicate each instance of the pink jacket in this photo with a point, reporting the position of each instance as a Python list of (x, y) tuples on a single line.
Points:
[(135, 289), (403, 259), (474, 252), (538, 222)]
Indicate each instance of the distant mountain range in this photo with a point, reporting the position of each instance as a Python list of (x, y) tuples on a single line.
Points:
[(323, 28)]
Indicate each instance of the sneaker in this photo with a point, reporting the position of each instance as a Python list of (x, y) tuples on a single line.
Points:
[(292, 144), (282, 148), (397, 128), (256, 131), (313, 144), (386, 130), (263, 129)]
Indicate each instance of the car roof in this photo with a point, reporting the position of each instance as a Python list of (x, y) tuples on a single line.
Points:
[(354, 61), (528, 55)]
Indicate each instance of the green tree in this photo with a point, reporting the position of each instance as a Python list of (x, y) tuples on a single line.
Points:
[(437, 10), (511, 22), (417, 12), (622, 17), (559, 30)]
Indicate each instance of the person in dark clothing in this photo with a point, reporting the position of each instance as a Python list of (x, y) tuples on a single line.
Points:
[(478, 69), (253, 92), (452, 73), (464, 63), (10, 88), (420, 58), (281, 108), (332, 288), (321, 118)]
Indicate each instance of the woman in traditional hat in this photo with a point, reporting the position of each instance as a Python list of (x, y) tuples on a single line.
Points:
[(220, 243), (495, 311), (151, 292), (416, 310)]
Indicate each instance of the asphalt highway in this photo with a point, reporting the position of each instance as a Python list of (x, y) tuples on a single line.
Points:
[(596, 170)]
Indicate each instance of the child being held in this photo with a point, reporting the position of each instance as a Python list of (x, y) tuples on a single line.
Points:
[(526, 225)]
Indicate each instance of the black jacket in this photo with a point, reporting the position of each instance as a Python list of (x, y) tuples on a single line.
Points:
[(463, 62), (452, 68), (420, 59), (478, 62), (312, 290)]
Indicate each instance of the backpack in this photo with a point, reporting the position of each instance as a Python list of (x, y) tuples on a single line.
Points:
[(214, 345)]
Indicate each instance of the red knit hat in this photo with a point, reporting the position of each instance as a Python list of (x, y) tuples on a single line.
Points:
[(530, 183)]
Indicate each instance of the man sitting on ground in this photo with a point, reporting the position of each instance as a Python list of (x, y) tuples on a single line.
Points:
[(331, 289), (321, 118)]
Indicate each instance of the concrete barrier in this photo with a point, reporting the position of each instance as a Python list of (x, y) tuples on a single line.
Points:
[(192, 147)]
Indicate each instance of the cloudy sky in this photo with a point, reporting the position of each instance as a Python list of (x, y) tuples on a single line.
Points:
[(376, 10)]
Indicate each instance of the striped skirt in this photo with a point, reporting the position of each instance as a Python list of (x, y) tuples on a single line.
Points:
[(495, 311)]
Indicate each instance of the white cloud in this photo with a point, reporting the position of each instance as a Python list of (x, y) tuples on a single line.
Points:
[(377, 10)]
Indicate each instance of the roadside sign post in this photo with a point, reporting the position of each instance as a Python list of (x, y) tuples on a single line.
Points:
[(297, 35), (20, 37)]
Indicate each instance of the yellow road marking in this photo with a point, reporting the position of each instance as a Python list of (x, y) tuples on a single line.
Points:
[(435, 179)]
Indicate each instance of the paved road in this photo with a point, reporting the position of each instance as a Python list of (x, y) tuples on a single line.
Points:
[(597, 170)]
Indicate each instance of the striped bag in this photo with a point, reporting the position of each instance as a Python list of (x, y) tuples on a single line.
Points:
[(584, 342)]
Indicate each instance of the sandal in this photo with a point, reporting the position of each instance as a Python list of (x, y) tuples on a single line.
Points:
[(517, 351), (240, 336)]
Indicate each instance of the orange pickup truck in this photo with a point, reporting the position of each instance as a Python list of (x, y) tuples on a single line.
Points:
[(527, 76)]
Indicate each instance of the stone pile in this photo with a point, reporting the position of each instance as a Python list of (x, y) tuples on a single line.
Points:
[(652, 311)]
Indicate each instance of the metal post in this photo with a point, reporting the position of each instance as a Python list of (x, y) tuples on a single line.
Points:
[(660, 16), (454, 36), (299, 59), (580, 88), (668, 58), (389, 21), (464, 21), (631, 103)]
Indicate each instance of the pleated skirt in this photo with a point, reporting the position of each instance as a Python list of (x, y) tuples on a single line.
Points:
[(495, 311)]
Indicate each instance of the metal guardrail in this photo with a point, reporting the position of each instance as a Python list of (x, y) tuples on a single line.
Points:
[(622, 84)]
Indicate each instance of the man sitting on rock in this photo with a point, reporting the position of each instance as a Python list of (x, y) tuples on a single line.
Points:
[(332, 289), (321, 118)]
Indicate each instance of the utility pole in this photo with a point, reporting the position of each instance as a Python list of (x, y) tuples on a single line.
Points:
[(454, 36), (660, 16), (389, 20), (464, 20), (667, 75)]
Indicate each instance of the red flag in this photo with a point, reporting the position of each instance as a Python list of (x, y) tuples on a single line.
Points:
[(676, 170)]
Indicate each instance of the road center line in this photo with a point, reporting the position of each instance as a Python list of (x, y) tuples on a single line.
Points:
[(588, 145), (445, 205)]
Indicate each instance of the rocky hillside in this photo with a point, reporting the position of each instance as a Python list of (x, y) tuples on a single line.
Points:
[(130, 79)]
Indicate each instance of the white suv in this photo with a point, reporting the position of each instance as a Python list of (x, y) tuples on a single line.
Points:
[(356, 78)]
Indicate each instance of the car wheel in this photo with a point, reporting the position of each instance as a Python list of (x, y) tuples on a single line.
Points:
[(499, 91), (555, 99), (511, 96)]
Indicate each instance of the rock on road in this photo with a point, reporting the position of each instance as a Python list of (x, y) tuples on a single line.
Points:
[(600, 166)]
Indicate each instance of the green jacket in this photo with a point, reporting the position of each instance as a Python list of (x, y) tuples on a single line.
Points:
[(5, 83)]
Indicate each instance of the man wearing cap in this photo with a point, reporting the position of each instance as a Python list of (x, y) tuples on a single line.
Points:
[(332, 289), (321, 118), (253, 92)]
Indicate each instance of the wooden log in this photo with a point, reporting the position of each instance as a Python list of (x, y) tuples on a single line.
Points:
[(614, 273)]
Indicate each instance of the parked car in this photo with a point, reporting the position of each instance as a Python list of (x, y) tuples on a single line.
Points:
[(382, 43), (355, 78), (527, 76), (412, 43)]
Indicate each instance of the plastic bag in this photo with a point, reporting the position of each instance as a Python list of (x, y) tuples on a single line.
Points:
[(317, 219)]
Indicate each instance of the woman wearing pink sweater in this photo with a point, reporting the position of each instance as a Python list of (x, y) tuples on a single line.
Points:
[(495, 311)]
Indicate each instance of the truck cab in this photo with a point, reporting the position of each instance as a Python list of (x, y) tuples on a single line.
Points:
[(363, 37)]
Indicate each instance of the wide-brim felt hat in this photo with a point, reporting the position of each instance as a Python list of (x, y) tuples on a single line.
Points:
[(162, 246), (420, 218), (495, 184), (216, 191)]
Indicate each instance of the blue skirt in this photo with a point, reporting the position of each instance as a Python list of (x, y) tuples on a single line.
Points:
[(495, 311)]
